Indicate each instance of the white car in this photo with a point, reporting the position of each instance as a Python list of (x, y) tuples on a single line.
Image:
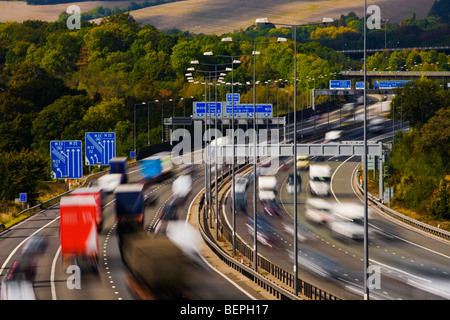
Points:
[(319, 210), (17, 290), (349, 221)]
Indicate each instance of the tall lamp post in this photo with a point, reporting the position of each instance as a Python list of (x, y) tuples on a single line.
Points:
[(196, 62), (233, 203), (294, 26), (366, 242), (255, 228)]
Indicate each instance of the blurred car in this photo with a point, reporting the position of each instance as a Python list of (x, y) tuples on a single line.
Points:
[(272, 208), (264, 233), (169, 210), (318, 210), (150, 198), (182, 186), (334, 136), (109, 182), (290, 183), (17, 290), (22, 269), (376, 125), (240, 187), (35, 245), (348, 222), (303, 162)]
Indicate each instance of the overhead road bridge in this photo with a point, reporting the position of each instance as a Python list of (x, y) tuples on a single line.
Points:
[(369, 51), (397, 74)]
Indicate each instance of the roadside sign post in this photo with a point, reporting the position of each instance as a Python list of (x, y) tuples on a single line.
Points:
[(100, 147), (66, 159)]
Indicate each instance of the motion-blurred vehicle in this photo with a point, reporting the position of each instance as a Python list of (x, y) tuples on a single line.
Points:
[(264, 231), (167, 214), (272, 208), (376, 125), (129, 207), (17, 290), (334, 136), (290, 183), (78, 232), (318, 263), (35, 245), (109, 182), (240, 188), (348, 113), (119, 165), (348, 222), (97, 194), (169, 210), (156, 168), (318, 210), (319, 180), (267, 188), (182, 186), (150, 198), (303, 162), (22, 269)]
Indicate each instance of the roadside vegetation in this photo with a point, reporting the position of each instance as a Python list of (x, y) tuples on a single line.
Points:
[(57, 84)]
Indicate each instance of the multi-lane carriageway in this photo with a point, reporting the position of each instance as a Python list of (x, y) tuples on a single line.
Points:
[(413, 265)]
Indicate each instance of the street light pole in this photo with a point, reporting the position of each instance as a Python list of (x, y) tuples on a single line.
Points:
[(295, 267), (366, 242), (255, 141)]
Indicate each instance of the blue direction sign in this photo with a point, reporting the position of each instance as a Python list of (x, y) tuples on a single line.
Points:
[(210, 108), (340, 84), (359, 85), (22, 197), (233, 97), (66, 159), (225, 109), (100, 147), (385, 84)]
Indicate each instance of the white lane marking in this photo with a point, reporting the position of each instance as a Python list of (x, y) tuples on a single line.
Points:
[(52, 274), (20, 244), (332, 177)]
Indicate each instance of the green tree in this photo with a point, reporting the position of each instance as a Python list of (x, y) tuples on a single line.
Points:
[(58, 119), (103, 117), (418, 101), (182, 54), (21, 172)]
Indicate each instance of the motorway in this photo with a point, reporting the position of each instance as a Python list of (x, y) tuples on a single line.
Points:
[(413, 265), (112, 281)]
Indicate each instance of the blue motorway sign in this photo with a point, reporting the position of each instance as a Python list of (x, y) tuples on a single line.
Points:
[(233, 97), (389, 84), (359, 85), (22, 197), (100, 147), (66, 159), (247, 110), (340, 84), (199, 108)]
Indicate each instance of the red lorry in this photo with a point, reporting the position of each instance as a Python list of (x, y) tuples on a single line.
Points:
[(97, 193), (78, 232)]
